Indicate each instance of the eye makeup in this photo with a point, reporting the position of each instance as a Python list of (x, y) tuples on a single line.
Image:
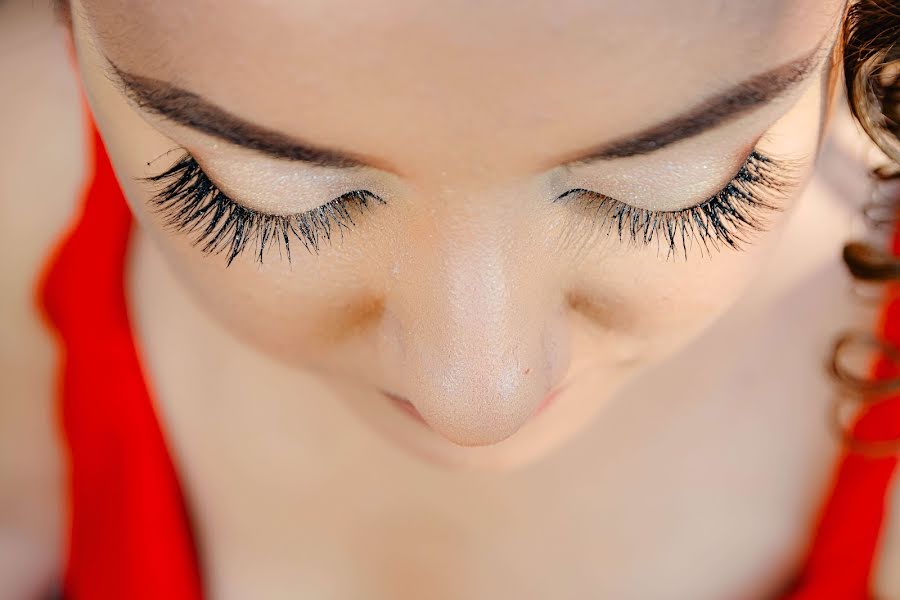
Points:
[(726, 219), (191, 203)]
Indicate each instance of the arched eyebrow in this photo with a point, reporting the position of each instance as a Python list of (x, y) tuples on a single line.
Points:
[(192, 110), (715, 111)]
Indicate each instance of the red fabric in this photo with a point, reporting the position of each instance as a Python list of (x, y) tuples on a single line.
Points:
[(841, 560), (130, 535)]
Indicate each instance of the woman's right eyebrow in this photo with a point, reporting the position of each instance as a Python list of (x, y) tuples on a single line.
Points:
[(192, 110)]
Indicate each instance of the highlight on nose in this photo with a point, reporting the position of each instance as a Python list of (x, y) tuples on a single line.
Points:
[(482, 339)]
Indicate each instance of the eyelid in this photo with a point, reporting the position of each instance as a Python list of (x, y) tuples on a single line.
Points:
[(279, 187), (725, 218), (189, 201), (671, 181)]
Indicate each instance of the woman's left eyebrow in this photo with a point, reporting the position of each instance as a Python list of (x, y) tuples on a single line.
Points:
[(710, 113)]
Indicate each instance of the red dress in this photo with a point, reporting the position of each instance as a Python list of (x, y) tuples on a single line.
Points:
[(130, 531)]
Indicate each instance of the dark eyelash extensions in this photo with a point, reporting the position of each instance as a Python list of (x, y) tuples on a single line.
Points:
[(190, 202), (726, 218)]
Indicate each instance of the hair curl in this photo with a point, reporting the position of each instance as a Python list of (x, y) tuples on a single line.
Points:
[(871, 62)]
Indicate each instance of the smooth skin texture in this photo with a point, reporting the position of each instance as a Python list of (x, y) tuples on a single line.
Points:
[(39, 104), (470, 292), (698, 479)]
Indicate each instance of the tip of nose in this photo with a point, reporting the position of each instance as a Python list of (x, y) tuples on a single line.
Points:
[(469, 437), (482, 420)]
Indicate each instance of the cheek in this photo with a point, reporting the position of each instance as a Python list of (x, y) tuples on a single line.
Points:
[(642, 308), (293, 312)]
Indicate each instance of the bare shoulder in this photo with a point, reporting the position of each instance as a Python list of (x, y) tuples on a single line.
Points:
[(40, 171)]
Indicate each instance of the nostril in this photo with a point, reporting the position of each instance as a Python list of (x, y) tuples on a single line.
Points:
[(409, 408), (406, 406), (547, 401)]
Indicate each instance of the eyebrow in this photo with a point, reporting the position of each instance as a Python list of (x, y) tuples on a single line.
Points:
[(715, 111), (192, 110)]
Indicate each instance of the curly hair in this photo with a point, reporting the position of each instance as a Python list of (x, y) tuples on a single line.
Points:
[(871, 64)]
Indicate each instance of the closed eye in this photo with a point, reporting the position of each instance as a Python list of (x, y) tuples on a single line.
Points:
[(189, 201), (726, 219)]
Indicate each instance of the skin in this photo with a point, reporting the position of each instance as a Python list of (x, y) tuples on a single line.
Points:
[(469, 292), (254, 391), (31, 468)]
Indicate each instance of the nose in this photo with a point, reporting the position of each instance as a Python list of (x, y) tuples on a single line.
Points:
[(484, 339)]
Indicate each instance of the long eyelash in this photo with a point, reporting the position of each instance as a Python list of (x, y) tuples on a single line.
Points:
[(190, 202), (725, 219)]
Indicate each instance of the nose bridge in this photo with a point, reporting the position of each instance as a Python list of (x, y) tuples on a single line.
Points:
[(480, 331)]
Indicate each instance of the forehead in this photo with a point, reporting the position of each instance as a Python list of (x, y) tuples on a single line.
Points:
[(471, 75)]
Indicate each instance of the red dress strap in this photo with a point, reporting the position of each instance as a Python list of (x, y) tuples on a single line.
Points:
[(130, 535), (841, 561)]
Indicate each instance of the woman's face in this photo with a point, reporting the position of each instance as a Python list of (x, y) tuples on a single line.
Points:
[(468, 205)]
